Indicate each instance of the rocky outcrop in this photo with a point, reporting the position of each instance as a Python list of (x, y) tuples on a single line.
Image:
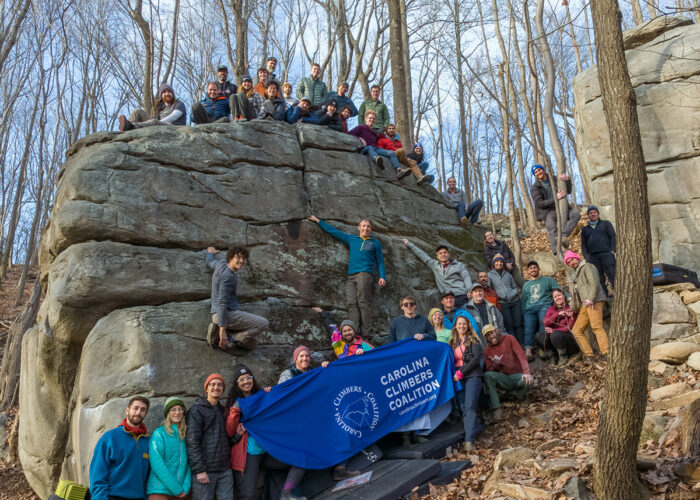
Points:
[(126, 285), (665, 71)]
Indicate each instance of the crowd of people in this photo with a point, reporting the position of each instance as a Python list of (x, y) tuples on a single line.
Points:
[(494, 326)]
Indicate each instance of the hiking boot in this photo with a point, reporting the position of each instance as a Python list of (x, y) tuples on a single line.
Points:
[(497, 415), (213, 335), (563, 358), (565, 242), (288, 495), (402, 172), (341, 472), (529, 355), (576, 358), (467, 446), (125, 124), (463, 221), (379, 161), (422, 179)]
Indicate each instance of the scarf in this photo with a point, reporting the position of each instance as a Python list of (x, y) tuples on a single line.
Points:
[(134, 431)]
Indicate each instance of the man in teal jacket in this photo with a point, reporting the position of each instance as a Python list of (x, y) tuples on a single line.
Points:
[(536, 298), (365, 254), (119, 466)]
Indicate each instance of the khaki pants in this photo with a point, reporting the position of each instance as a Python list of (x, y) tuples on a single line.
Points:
[(412, 164), (139, 119), (591, 316), (245, 326)]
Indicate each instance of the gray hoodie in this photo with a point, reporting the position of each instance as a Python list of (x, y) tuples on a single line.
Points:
[(504, 285), (454, 278)]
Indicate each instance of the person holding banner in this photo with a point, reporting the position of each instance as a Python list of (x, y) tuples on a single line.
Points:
[(345, 341), (410, 324), (301, 359), (466, 346), (247, 455)]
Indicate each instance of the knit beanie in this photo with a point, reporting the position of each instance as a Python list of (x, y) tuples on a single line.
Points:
[(164, 87), (212, 377), (170, 402), (417, 145), (239, 370), (433, 311), (592, 207), (571, 255), (535, 167), (350, 323), (498, 256), (298, 351)]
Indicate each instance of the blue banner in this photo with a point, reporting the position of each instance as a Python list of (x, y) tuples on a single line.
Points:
[(326, 415)]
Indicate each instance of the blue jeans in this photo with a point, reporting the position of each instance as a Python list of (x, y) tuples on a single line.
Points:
[(471, 212), (424, 168), (374, 151), (533, 323), (468, 399)]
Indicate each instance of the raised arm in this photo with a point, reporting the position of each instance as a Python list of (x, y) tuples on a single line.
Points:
[(424, 257)]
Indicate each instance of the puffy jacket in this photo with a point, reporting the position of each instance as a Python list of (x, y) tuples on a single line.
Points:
[(208, 447), (454, 277), (314, 90), (334, 122), (383, 118), (501, 247), (170, 474), (218, 108), (385, 142), (495, 316), (239, 451), (540, 197), (504, 285)]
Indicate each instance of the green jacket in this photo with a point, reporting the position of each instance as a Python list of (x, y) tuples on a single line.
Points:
[(383, 118), (586, 282), (315, 90)]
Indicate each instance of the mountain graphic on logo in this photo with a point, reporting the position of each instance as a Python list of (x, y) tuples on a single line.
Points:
[(357, 412)]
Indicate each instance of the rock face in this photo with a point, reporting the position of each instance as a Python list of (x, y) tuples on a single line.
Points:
[(126, 284), (665, 73)]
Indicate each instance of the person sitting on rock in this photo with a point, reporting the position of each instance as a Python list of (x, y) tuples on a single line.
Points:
[(261, 87), (492, 247), (507, 369), (489, 293), (450, 275), (509, 297), (329, 116), (542, 192), (342, 99), (119, 465), (287, 95), (208, 449), (589, 293), (376, 106), (450, 311), (313, 88), (536, 297), (369, 138), (344, 340), (390, 141), (417, 156), (301, 361), (365, 255), (226, 313), (213, 108), (468, 352), (465, 210), (301, 112), (483, 311), (170, 475), (598, 246), (409, 324), (270, 66), (247, 455), (558, 328), (226, 88), (344, 116), (169, 111), (246, 104), (437, 320), (274, 107)]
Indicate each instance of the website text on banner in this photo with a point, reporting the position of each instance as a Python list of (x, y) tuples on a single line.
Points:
[(326, 415)]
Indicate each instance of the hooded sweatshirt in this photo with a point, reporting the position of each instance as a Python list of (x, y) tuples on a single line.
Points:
[(451, 278)]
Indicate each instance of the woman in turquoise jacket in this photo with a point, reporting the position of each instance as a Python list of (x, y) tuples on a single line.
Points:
[(170, 475)]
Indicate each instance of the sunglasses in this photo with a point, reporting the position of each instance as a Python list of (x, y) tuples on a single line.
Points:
[(245, 379), (409, 304)]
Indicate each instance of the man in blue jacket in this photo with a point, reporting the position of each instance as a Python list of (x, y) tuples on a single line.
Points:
[(213, 108), (343, 100), (120, 465), (598, 246), (365, 255)]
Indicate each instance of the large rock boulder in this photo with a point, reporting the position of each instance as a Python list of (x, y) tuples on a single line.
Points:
[(127, 288), (665, 74)]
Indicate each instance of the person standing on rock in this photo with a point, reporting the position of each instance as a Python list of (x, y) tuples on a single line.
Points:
[(313, 88), (365, 255), (226, 313), (208, 449), (489, 293), (507, 369), (542, 192), (342, 99), (598, 246), (170, 475), (492, 247), (589, 293), (119, 465), (377, 107), (536, 297), (450, 275), (169, 111), (509, 297), (410, 324), (559, 322), (466, 211)]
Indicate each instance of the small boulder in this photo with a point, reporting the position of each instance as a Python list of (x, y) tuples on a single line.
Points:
[(512, 457), (670, 331), (695, 308), (674, 353), (669, 391), (689, 471), (541, 419), (694, 361), (669, 308), (551, 444), (675, 402), (652, 428), (523, 492), (576, 489), (690, 297), (556, 467), (660, 368)]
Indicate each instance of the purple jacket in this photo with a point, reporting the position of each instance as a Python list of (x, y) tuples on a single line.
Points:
[(366, 133)]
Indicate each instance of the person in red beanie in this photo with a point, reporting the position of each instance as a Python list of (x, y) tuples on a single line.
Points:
[(589, 298), (208, 449), (301, 359)]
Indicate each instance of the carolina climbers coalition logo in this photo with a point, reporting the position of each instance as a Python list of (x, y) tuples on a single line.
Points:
[(356, 410)]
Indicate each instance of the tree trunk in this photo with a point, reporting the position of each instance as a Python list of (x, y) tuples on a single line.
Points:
[(241, 16), (625, 398), (461, 97), (9, 369), (145, 28), (637, 12), (690, 430), (400, 72)]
